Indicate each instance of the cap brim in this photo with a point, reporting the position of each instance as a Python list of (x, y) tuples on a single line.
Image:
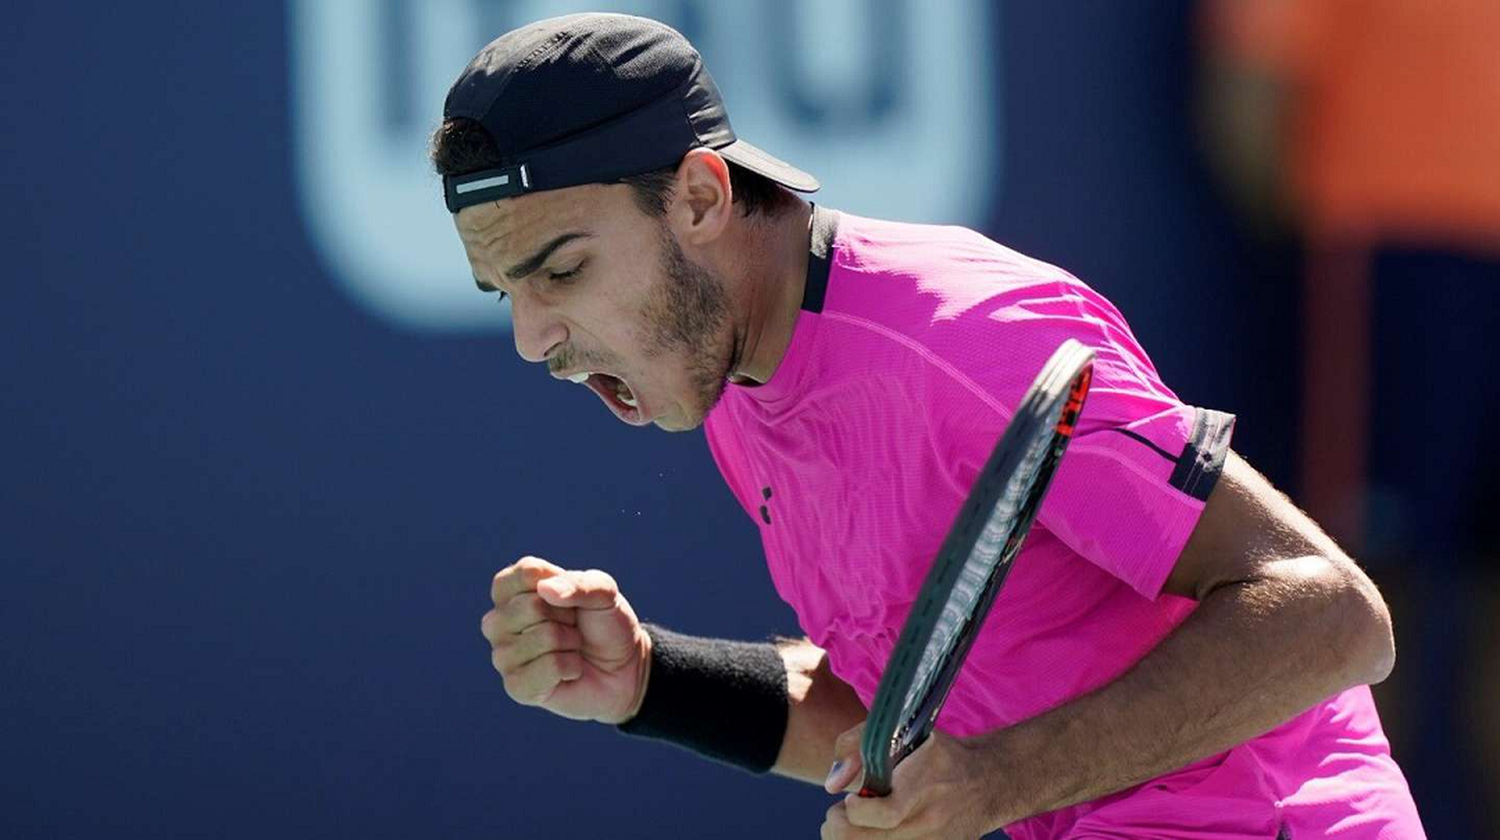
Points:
[(774, 168)]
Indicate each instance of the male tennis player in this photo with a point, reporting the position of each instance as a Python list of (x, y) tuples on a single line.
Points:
[(1179, 652)]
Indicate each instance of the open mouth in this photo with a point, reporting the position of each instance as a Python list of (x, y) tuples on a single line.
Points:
[(617, 395)]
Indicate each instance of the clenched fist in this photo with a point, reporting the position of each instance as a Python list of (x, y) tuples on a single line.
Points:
[(567, 641)]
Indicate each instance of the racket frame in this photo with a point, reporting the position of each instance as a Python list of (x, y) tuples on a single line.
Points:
[(1050, 407)]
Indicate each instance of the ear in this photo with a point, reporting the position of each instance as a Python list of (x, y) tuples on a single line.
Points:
[(702, 202)]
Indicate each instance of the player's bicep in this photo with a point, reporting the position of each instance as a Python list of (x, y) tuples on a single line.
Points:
[(1246, 525)]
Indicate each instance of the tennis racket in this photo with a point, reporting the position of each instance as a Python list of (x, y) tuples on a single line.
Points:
[(972, 564)]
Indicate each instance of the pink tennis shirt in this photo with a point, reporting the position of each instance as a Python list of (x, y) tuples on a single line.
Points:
[(913, 346)]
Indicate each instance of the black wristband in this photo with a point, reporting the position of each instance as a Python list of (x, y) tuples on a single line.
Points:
[(721, 699)]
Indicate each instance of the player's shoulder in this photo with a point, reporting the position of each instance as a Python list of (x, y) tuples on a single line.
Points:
[(877, 246), (973, 318), (941, 286)]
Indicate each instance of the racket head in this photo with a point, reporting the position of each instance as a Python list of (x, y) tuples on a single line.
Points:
[(971, 565)]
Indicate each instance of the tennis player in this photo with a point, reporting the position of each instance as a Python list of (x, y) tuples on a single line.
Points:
[(1178, 652)]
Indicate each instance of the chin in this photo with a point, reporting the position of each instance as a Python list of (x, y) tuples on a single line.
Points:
[(695, 408), (676, 424)]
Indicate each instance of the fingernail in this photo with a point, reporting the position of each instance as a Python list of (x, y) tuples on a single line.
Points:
[(833, 774), (563, 587)]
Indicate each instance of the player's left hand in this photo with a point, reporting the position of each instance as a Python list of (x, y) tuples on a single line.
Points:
[(941, 790)]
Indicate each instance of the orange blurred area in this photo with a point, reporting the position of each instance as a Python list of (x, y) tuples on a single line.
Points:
[(1392, 111)]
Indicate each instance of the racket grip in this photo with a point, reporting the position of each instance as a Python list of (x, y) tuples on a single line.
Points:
[(868, 792)]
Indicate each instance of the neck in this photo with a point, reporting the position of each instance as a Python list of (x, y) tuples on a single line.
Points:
[(772, 277)]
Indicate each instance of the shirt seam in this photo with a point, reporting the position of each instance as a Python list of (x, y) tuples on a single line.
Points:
[(926, 354)]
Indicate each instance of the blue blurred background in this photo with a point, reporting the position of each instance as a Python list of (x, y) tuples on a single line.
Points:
[(263, 445)]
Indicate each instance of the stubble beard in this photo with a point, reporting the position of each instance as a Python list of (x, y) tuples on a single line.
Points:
[(686, 315)]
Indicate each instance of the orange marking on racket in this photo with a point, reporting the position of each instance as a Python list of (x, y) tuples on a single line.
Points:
[(1070, 412)]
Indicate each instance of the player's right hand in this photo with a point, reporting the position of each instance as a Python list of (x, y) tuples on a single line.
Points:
[(567, 641)]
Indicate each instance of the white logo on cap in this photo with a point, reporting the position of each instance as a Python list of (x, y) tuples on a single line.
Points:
[(892, 104), (482, 183)]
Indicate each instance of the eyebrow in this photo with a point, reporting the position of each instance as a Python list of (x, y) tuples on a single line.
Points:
[(529, 265)]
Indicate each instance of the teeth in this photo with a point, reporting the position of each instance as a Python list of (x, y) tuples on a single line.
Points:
[(580, 378), (623, 392)]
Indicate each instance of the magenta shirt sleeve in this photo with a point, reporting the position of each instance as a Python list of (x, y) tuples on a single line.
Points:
[(1137, 474)]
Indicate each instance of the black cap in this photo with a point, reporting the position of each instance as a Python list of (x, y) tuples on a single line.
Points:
[(593, 98)]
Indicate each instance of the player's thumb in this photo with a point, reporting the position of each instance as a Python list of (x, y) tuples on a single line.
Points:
[(592, 589), (847, 767)]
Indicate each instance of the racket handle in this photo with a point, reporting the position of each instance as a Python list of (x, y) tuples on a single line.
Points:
[(869, 792)]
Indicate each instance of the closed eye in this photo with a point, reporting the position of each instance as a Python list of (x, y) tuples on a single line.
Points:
[(564, 276)]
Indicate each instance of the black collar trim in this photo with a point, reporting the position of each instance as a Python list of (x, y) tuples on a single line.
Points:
[(824, 227)]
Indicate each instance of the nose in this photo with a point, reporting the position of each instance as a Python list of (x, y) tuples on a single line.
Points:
[(537, 329)]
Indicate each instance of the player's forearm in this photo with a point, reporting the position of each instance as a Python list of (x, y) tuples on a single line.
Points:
[(822, 707), (1253, 655)]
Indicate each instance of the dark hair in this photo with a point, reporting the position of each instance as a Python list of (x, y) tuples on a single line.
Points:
[(461, 145)]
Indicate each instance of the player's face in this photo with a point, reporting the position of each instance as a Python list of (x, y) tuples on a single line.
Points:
[(599, 287)]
